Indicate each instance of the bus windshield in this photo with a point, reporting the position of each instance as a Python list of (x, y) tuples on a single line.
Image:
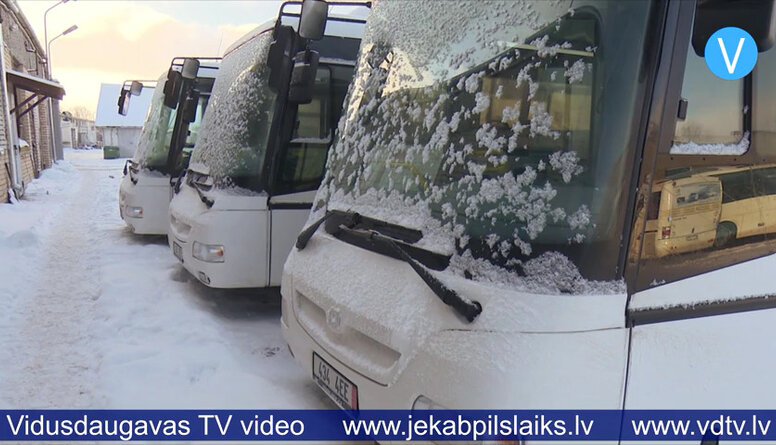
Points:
[(153, 145), (234, 132), (500, 132)]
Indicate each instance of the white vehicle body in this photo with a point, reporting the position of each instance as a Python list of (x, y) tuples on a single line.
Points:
[(501, 166), (258, 237), (234, 206), (143, 205), (146, 189)]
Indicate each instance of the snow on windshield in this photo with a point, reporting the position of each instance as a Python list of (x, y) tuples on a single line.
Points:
[(153, 145), (477, 129), (235, 128)]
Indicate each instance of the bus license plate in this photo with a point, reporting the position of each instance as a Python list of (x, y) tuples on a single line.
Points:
[(177, 250), (341, 390)]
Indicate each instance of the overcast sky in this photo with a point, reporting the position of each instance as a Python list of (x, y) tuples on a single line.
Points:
[(119, 40)]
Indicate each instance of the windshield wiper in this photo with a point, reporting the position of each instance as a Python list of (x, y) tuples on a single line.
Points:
[(468, 309), (208, 201), (306, 234), (345, 223), (354, 219), (348, 219), (131, 167), (176, 184)]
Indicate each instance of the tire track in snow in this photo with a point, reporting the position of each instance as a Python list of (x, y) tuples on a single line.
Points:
[(57, 365)]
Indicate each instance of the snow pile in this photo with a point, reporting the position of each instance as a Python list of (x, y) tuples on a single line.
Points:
[(692, 148)]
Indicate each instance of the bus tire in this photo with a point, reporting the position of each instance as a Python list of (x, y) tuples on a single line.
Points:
[(726, 232)]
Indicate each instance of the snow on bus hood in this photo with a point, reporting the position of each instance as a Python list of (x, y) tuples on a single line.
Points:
[(381, 298)]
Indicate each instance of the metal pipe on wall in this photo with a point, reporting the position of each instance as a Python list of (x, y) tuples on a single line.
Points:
[(16, 181)]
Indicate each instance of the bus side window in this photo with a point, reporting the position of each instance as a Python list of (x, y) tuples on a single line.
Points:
[(717, 191), (303, 160), (764, 105), (765, 181), (714, 122)]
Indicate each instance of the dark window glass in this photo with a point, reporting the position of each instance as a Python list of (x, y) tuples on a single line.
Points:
[(303, 160), (765, 181), (764, 105), (737, 186)]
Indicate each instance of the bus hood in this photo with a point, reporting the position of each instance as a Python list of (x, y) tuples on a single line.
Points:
[(372, 312)]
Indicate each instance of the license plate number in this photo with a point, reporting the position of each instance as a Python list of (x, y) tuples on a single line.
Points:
[(341, 390), (177, 250)]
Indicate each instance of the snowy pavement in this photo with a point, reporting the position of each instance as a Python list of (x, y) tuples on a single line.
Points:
[(95, 317)]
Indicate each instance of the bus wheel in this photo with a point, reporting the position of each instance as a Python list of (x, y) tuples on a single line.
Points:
[(726, 232)]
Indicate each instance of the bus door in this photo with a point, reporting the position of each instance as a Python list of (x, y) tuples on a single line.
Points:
[(702, 320), (301, 162)]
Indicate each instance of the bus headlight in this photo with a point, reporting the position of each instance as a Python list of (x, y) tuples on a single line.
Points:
[(209, 253), (134, 212)]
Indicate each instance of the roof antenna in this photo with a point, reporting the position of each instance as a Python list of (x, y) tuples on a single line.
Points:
[(220, 39)]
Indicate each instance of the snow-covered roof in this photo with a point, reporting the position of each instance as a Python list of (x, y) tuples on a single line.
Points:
[(108, 111)]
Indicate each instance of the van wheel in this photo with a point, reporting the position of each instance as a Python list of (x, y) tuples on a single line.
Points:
[(726, 232)]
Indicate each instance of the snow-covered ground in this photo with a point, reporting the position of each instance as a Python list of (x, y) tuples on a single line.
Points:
[(96, 317)]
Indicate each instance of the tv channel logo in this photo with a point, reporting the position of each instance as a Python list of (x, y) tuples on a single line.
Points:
[(731, 53)]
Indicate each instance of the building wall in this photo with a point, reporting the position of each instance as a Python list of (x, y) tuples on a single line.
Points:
[(123, 137), (23, 52), (84, 130), (128, 141)]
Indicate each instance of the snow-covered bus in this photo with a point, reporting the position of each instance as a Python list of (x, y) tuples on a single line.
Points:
[(261, 155), (477, 240), (165, 143)]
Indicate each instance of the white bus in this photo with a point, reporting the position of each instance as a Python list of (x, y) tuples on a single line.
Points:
[(477, 240), (261, 155), (165, 143)]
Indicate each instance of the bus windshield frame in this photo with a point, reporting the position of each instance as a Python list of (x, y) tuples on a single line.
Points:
[(469, 143)]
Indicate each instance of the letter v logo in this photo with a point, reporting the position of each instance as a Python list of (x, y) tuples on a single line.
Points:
[(719, 51), (730, 66)]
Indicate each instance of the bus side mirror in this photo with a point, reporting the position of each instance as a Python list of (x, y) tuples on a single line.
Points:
[(124, 102), (312, 22), (189, 107), (190, 68), (172, 88), (757, 17), (302, 84), (135, 88), (127, 91)]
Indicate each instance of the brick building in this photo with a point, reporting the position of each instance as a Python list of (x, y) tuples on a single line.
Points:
[(24, 108)]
